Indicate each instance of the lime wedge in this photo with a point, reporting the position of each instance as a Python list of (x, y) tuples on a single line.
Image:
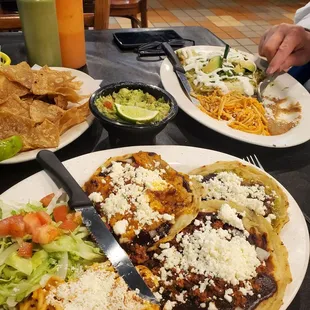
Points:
[(135, 114), (10, 147)]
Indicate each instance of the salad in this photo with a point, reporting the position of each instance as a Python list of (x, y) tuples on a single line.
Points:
[(208, 70), (39, 240)]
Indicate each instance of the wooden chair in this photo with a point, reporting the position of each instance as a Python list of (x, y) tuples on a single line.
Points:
[(99, 19), (130, 9), (125, 8)]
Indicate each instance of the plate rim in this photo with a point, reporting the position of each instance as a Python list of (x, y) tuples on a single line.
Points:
[(84, 126), (105, 154), (184, 102)]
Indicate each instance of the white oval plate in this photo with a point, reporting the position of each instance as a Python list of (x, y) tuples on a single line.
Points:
[(294, 235), (89, 86), (284, 86)]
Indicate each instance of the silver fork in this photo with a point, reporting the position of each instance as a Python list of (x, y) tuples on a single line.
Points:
[(263, 85), (254, 161)]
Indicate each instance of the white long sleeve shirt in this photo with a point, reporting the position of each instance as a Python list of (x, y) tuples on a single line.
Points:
[(302, 16)]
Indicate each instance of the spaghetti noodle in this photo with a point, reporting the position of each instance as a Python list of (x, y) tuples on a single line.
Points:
[(241, 112)]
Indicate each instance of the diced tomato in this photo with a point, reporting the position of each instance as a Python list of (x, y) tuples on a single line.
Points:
[(12, 226), (4, 227), (45, 234), (108, 105), (43, 217), (60, 213), (25, 250), (69, 225), (32, 223), (47, 199), (17, 226)]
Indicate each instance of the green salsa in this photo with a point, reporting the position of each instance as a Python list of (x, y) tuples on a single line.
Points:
[(134, 98)]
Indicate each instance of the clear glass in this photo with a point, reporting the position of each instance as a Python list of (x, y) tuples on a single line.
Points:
[(40, 28), (71, 32)]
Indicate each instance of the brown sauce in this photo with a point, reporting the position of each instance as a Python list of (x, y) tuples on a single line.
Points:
[(276, 125)]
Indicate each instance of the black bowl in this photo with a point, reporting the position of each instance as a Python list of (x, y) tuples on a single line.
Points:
[(123, 133)]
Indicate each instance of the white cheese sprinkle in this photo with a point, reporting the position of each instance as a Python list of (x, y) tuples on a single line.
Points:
[(120, 227), (228, 186), (169, 305), (95, 289), (211, 252), (229, 215), (212, 306), (130, 189), (95, 197), (270, 217)]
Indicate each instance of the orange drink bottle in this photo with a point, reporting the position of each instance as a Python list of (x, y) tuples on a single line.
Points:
[(71, 32)]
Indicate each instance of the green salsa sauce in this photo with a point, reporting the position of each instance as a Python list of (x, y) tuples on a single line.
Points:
[(136, 98)]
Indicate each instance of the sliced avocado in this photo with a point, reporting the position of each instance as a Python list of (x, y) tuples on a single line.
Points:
[(248, 65), (213, 64), (238, 69)]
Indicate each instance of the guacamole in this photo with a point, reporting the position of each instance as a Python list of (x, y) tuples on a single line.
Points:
[(127, 97)]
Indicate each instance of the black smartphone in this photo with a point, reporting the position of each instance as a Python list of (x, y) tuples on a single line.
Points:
[(133, 39)]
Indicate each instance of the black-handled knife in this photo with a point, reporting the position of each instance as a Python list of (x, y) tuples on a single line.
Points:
[(179, 71), (79, 201)]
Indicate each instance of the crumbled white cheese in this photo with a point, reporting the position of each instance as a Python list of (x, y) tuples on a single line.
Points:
[(228, 186), (169, 305), (270, 217), (212, 306), (227, 295), (120, 227), (95, 197), (211, 252), (156, 164), (198, 178), (97, 288), (158, 296), (181, 297), (229, 215), (130, 185)]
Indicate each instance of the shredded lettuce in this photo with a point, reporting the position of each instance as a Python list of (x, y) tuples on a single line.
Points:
[(64, 257), (60, 198), (75, 245), (21, 264), (9, 209)]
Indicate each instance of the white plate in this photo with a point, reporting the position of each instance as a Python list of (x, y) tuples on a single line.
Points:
[(284, 86), (88, 87), (294, 235)]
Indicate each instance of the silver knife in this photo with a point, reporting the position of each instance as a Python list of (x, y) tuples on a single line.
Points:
[(79, 201), (179, 71)]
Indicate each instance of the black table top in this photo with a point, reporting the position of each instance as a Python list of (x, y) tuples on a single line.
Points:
[(105, 61)]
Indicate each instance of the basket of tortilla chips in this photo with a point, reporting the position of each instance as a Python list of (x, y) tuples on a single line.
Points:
[(39, 105)]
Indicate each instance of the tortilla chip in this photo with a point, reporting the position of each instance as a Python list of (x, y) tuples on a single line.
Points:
[(40, 110), (45, 135), (11, 125), (69, 94), (16, 106), (46, 81), (8, 88), (61, 102), (74, 116), (20, 73)]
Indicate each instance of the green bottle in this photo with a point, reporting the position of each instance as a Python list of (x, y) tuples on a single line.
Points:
[(40, 28)]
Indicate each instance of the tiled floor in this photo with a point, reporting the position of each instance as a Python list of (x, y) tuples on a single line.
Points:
[(238, 22)]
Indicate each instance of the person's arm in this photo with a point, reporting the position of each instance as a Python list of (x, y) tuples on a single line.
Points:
[(285, 46)]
